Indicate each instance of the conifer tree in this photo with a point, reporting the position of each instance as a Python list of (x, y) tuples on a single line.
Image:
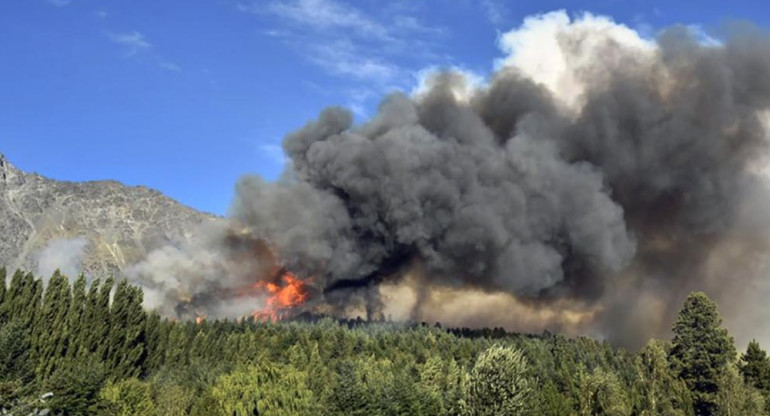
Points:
[(755, 369), (126, 332), (76, 317), (16, 369), (51, 331), (153, 342), (86, 343), (700, 351), (22, 298), (100, 324)]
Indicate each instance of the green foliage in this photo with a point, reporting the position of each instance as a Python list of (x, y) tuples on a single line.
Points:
[(552, 402), (601, 393), (701, 350), (76, 387), (499, 383), (268, 390), (130, 397), (660, 392), (735, 398), (16, 369), (755, 367), (101, 353)]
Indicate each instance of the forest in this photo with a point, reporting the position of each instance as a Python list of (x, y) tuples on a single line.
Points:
[(85, 347)]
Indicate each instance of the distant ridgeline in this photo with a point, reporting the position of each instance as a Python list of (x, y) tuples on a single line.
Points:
[(92, 349)]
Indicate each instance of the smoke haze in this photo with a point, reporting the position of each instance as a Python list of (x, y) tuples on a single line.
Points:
[(592, 182), (64, 254)]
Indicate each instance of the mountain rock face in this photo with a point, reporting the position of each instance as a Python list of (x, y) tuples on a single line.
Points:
[(101, 226)]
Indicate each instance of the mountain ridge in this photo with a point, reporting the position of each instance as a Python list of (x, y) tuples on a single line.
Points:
[(101, 226)]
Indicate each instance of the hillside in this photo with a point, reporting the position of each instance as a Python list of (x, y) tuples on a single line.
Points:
[(102, 226)]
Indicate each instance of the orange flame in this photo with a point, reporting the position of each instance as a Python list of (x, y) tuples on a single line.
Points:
[(290, 292)]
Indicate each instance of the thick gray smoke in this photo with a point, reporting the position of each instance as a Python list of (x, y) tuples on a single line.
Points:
[(587, 187)]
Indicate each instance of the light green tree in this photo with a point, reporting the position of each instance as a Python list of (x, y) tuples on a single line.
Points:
[(129, 397), (601, 393), (735, 398), (267, 389), (661, 393), (499, 384)]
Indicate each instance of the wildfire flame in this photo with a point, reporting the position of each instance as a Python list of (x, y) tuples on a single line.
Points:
[(289, 293)]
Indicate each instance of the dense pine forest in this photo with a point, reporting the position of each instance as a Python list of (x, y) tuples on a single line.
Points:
[(80, 348)]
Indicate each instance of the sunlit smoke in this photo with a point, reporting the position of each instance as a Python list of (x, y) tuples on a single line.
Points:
[(586, 187)]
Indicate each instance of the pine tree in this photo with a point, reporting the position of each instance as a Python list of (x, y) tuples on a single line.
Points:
[(153, 342), (16, 369), (755, 369), (100, 320), (126, 350), (701, 350), (22, 299), (76, 317), (76, 387), (51, 331)]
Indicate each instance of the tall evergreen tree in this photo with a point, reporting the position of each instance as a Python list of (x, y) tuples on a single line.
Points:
[(700, 351), (127, 332), (16, 367), (100, 320), (51, 330), (755, 369), (76, 317)]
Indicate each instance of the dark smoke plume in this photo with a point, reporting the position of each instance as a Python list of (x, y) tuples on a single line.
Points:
[(588, 195)]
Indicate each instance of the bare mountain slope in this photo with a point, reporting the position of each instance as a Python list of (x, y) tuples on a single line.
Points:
[(107, 224)]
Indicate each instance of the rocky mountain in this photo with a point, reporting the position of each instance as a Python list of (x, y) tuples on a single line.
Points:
[(100, 226)]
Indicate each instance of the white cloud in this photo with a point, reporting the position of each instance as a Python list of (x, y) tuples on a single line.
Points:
[(347, 42), (59, 3), (495, 11), (169, 66), (328, 14), (556, 51), (274, 152), (703, 38), (343, 58), (358, 99), (135, 42)]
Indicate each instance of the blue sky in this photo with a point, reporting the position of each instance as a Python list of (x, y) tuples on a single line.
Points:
[(187, 95)]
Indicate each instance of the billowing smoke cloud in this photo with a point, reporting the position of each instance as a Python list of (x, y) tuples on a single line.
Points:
[(64, 254), (594, 180), (211, 275)]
